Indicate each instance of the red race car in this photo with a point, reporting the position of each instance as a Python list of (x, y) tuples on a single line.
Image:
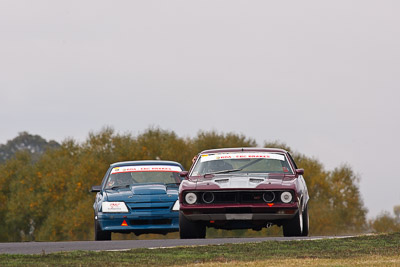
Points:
[(243, 188)]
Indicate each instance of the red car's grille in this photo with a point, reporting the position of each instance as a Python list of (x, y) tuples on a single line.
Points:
[(226, 197), (222, 197), (238, 197)]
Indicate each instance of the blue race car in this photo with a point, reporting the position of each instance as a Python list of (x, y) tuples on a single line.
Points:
[(137, 197)]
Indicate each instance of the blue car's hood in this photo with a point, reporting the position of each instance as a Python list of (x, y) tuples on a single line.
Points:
[(155, 189), (156, 192)]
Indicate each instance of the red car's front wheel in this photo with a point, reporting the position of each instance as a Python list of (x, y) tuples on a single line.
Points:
[(306, 221), (189, 229), (294, 227)]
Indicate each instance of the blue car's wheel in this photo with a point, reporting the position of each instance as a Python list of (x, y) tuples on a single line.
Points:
[(100, 235), (189, 229)]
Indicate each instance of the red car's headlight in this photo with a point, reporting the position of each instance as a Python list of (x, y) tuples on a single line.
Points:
[(190, 198), (286, 197)]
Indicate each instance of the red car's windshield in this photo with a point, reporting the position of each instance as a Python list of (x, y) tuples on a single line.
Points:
[(241, 162)]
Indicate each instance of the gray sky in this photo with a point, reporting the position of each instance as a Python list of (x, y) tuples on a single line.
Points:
[(321, 76)]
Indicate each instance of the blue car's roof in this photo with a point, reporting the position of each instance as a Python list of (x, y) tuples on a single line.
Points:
[(146, 162)]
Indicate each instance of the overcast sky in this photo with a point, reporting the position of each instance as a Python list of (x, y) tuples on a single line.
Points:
[(321, 76)]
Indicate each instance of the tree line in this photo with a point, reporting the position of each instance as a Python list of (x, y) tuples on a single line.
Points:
[(45, 197), (35, 144)]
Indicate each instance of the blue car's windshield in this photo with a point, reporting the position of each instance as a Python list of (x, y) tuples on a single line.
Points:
[(125, 176)]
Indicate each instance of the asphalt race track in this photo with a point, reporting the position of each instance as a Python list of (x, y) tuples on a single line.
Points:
[(50, 247)]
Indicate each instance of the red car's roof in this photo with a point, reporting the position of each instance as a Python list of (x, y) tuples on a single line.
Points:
[(240, 149)]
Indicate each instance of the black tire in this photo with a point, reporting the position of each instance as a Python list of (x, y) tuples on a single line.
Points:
[(306, 221), (100, 235), (294, 227), (189, 229)]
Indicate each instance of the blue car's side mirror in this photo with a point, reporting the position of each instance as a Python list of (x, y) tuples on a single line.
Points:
[(96, 188)]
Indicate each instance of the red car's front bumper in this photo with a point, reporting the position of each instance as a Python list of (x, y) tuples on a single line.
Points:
[(255, 212)]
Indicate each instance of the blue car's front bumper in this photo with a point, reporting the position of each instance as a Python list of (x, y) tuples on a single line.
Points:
[(141, 218)]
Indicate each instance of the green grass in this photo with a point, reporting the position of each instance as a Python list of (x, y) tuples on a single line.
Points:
[(365, 250)]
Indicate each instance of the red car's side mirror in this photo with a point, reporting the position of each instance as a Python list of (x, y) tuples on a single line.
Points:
[(184, 174), (300, 171)]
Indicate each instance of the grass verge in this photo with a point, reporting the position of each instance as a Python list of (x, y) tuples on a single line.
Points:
[(372, 250)]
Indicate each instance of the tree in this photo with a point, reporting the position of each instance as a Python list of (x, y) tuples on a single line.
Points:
[(396, 210), (385, 222), (348, 207), (35, 144), (15, 195), (155, 143), (212, 139)]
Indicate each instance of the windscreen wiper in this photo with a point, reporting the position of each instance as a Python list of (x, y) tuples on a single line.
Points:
[(119, 186), (223, 171), (251, 163)]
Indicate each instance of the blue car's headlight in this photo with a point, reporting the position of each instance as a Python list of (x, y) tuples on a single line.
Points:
[(176, 206), (114, 207)]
